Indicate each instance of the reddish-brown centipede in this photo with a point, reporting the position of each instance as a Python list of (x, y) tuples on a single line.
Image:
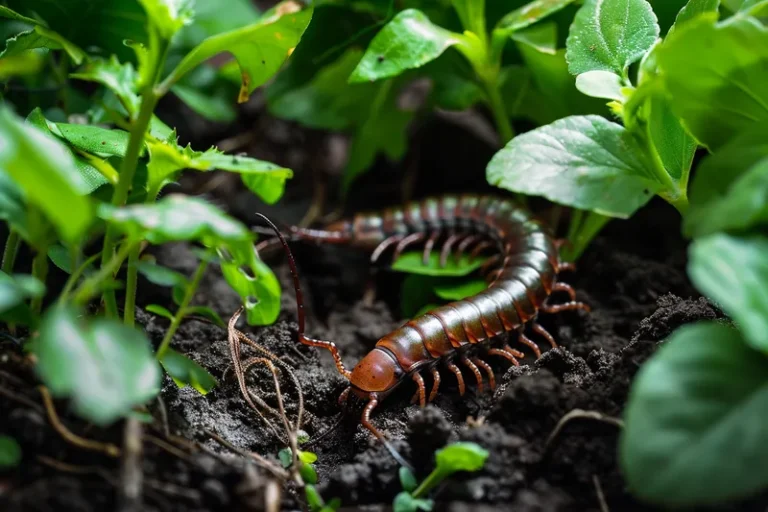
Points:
[(522, 276)]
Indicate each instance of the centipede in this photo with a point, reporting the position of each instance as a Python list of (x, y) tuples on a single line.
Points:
[(522, 269)]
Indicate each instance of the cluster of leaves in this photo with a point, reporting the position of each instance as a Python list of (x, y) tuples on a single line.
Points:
[(67, 187), (453, 458)]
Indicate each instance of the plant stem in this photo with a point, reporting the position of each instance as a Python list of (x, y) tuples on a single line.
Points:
[(586, 232), (181, 312), (434, 478), (499, 111), (91, 286), (74, 277), (40, 271), (11, 249)]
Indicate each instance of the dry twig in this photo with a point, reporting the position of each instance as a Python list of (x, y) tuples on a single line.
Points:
[(580, 414)]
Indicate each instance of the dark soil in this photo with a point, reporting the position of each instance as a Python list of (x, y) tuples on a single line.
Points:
[(633, 276)]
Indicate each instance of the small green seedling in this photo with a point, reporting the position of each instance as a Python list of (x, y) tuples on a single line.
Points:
[(451, 459), (305, 460)]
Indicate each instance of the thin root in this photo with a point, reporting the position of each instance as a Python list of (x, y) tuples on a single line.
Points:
[(580, 414)]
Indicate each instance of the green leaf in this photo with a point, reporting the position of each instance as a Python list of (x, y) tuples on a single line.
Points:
[(6, 12), (14, 290), (158, 310), (753, 7), (542, 37), (693, 9), (46, 173), (694, 432), (407, 479), (601, 84), (185, 371), (119, 78), (412, 262), (609, 35), (674, 145), (168, 16), (585, 162), (529, 14), (728, 191), (314, 500), (25, 64), (286, 457), (308, 473), (460, 289), (724, 94), (210, 106), (206, 312), (307, 457), (260, 49), (105, 367), (60, 257), (13, 209), (95, 139), (161, 276), (40, 37), (409, 41), (733, 271), (166, 158), (417, 290), (460, 456), (255, 283), (10, 452), (404, 502)]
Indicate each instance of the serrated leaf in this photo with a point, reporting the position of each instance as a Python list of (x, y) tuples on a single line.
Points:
[(601, 84), (105, 367), (461, 456), (728, 191), (412, 262), (10, 452), (586, 162), (46, 173), (529, 14), (409, 41), (260, 48), (158, 310), (733, 271), (119, 78), (185, 371), (40, 37), (713, 448), (609, 35), (723, 94)]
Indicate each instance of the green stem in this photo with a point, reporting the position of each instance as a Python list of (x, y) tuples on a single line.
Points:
[(132, 277), (434, 478), (499, 111), (74, 277), (181, 312), (11, 249), (40, 271), (91, 286), (593, 223)]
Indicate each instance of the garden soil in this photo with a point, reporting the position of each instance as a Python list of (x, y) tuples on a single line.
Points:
[(633, 276)]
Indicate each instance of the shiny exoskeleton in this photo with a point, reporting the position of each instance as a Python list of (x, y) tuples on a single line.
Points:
[(522, 276)]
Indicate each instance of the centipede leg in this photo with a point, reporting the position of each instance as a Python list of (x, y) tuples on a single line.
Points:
[(480, 248), (366, 419), (530, 343), (422, 391), (563, 287), (568, 306), (384, 245), (564, 266), (405, 242), (429, 245), (539, 329), (488, 370), (469, 364), (343, 397), (506, 355), (435, 385), (459, 377), (446, 250), (464, 244)]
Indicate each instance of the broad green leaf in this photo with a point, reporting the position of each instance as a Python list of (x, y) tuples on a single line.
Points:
[(307, 457), (260, 49), (13, 208), (454, 86), (407, 479), (586, 162), (308, 473), (404, 502), (673, 143), (166, 158), (693, 9), (119, 78), (542, 37), (460, 289), (601, 84), (384, 131), (694, 432), (158, 310), (6, 12), (14, 290), (460, 456), (753, 7), (10, 452), (25, 64), (185, 371), (255, 283), (725, 93), (46, 173), (95, 139), (733, 271), (206, 312), (609, 35), (168, 16), (314, 500), (60, 257), (213, 107), (412, 263), (728, 191), (105, 367), (210, 19), (529, 14), (38, 37), (409, 41), (161, 276)]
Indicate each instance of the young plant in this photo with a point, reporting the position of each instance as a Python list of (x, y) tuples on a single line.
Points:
[(449, 460), (65, 185)]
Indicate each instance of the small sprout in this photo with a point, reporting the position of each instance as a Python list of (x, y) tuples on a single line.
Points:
[(404, 502), (316, 502), (302, 437), (305, 459), (407, 479)]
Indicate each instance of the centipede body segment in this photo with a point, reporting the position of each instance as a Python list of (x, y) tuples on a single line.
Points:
[(522, 274)]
